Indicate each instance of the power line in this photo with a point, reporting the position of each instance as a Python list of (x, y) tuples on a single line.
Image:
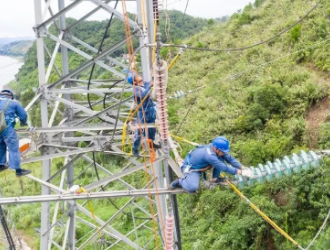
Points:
[(319, 232), (249, 46), (236, 75), (186, 8), (98, 51), (184, 118)]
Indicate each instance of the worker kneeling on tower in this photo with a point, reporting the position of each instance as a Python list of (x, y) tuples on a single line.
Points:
[(203, 158), (147, 111), (9, 110)]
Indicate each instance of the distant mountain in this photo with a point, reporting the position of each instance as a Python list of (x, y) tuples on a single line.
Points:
[(16, 48), (7, 40), (223, 19)]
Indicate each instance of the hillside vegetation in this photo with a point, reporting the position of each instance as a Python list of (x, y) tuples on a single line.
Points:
[(263, 100), (27, 217), (17, 48), (179, 26), (269, 100)]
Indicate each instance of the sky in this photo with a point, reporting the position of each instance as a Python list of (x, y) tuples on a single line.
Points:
[(17, 16)]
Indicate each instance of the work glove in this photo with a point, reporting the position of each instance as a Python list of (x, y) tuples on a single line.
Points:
[(247, 172)]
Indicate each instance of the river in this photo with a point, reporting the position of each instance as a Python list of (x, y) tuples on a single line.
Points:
[(9, 67)]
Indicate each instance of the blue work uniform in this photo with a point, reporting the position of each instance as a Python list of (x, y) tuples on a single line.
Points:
[(139, 93), (199, 159), (8, 137)]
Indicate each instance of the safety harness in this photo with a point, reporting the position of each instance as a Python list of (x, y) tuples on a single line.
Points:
[(188, 168), (3, 123)]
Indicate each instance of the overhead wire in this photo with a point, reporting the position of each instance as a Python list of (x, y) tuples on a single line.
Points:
[(184, 13), (253, 45), (98, 51), (185, 117), (236, 75), (90, 105), (319, 231)]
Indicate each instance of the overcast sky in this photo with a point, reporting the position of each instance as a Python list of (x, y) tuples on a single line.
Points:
[(17, 16)]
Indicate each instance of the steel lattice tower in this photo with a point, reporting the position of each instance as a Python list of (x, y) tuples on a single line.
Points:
[(68, 121)]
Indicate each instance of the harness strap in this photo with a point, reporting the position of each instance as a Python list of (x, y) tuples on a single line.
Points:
[(198, 170), (5, 107)]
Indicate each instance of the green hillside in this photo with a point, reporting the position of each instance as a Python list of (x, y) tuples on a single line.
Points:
[(91, 32), (17, 48), (269, 100)]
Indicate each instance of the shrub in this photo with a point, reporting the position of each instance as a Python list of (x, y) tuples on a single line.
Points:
[(295, 33)]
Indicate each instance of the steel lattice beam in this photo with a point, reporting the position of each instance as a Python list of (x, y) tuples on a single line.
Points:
[(98, 123)]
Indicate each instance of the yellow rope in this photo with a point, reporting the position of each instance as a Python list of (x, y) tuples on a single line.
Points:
[(82, 190), (254, 207), (143, 15), (178, 138), (154, 48), (264, 216), (173, 61)]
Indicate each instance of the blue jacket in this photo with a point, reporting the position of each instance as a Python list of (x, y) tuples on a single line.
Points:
[(139, 92), (204, 156), (14, 109)]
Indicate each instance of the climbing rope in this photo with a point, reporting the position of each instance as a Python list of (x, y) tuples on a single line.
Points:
[(178, 138), (132, 61)]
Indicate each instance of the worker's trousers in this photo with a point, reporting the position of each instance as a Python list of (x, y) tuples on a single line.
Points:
[(190, 181), (150, 117), (9, 140)]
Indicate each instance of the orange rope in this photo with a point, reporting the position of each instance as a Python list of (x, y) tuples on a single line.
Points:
[(153, 156), (152, 153), (132, 60)]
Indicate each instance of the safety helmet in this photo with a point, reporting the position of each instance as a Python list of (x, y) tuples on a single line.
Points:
[(8, 93), (221, 143), (130, 78)]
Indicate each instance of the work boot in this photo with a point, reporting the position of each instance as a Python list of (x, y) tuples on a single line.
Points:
[(156, 146), (135, 152), (175, 184), (3, 167), (222, 181), (22, 172)]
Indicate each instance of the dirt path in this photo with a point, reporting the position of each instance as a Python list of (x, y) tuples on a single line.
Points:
[(315, 116), (25, 240)]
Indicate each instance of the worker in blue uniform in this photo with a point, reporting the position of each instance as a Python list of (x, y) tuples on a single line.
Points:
[(141, 90), (8, 137), (205, 157)]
